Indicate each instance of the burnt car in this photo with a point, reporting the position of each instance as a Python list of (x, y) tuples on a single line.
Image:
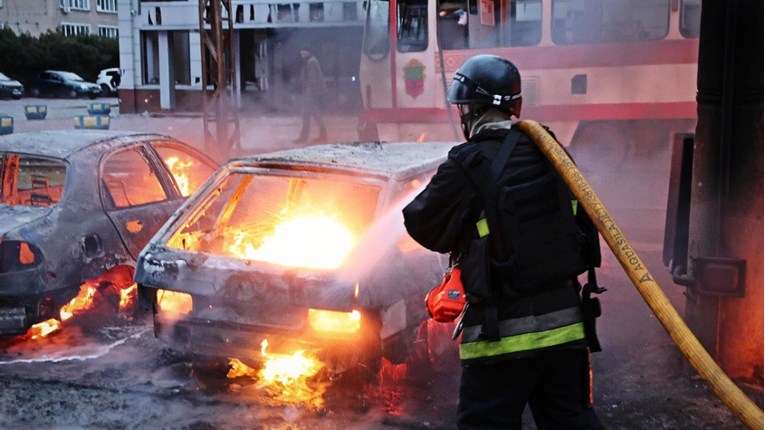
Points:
[(304, 249), (80, 205)]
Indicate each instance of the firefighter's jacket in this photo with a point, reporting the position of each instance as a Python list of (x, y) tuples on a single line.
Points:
[(443, 217)]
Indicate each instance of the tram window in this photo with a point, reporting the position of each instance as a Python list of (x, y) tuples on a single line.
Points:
[(690, 18), (376, 29), (475, 24), (604, 21), (412, 25), (452, 25)]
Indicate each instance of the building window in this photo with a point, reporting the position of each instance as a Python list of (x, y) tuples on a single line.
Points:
[(75, 29), (106, 5), (75, 4), (108, 31)]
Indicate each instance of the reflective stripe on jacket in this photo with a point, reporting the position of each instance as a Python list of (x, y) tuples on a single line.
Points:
[(525, 334)]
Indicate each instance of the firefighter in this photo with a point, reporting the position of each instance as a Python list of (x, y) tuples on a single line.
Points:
[(490, 205)]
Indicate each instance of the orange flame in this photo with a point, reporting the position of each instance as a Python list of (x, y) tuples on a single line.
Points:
[(44, 328), (82, 302), (422, 137), (127, 297), (283, 376), (312, 241), (180, 169)]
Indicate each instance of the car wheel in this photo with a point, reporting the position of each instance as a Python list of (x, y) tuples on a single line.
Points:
[(35, 92), (105, 90), (91, 96), (72, 94), (16, 97)]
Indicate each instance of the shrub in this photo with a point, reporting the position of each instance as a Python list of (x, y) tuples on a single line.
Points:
[(25, 56)]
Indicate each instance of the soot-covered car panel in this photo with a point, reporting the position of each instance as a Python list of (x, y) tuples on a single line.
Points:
[(303, 249), (77, 204)]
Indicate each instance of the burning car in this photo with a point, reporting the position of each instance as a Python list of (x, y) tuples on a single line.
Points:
[(299, 250), (77, 207)]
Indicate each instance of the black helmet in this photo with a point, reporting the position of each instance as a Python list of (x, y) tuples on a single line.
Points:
[(487, 80)]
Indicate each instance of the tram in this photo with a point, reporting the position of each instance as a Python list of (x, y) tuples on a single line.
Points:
[(616, 76)]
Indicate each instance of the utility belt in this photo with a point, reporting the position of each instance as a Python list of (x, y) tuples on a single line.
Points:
[(575, 317)]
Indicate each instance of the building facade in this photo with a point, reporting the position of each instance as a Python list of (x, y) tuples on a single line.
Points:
[(71, 17), (160, 52)]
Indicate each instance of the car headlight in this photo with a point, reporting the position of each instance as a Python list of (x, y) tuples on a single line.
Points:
[(333, 321), (174, 301)]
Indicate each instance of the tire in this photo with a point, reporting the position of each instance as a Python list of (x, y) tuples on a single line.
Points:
[(34, 92), (91, 96), (105, 90), (72, 94)]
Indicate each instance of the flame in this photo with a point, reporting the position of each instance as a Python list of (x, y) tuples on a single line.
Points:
[(127, 297), (422, 137), (44, 328), (175, 302), (82, 302), (284, 376), (180, 169), (312, 241)]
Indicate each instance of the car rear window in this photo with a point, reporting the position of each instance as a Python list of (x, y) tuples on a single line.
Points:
[(308, 221), (31, 181)]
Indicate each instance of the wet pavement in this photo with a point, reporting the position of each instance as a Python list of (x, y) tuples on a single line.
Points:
[(115, 374)]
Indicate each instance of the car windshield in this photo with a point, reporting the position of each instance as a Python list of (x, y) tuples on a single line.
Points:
[(31, 181), (69, 76), (4, 78), (310, 221)]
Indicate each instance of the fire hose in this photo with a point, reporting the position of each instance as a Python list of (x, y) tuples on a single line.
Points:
[(741, 405)]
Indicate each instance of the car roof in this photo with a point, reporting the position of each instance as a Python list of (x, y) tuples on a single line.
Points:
[(64, 143), (390, 159)]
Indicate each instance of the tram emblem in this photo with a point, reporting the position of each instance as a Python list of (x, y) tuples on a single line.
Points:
[(414, 77)]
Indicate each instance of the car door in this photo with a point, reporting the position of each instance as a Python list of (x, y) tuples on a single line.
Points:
[(47, 84), (138, 194)]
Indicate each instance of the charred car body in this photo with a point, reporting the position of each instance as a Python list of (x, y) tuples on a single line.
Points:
[(304, 249), (76, 205)]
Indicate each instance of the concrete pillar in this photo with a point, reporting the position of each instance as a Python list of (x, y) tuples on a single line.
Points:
[(166, 71), (726, 219)]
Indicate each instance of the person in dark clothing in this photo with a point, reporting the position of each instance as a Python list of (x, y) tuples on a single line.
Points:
[(313, 95), (498, 206)]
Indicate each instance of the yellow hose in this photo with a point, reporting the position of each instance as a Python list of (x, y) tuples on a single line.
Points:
[(741, 405)]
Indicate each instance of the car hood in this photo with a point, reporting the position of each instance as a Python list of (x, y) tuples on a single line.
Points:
[(14, 217), (10, 83)]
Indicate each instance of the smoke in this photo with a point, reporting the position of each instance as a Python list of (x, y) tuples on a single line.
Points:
[(378, 241)]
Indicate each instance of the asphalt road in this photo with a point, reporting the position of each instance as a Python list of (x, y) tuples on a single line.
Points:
[(112, 372)]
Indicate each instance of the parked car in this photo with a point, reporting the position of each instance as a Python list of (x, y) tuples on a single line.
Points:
[(10, 88), (303, 248), (109, 80), (55, 83), (79, 205)]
